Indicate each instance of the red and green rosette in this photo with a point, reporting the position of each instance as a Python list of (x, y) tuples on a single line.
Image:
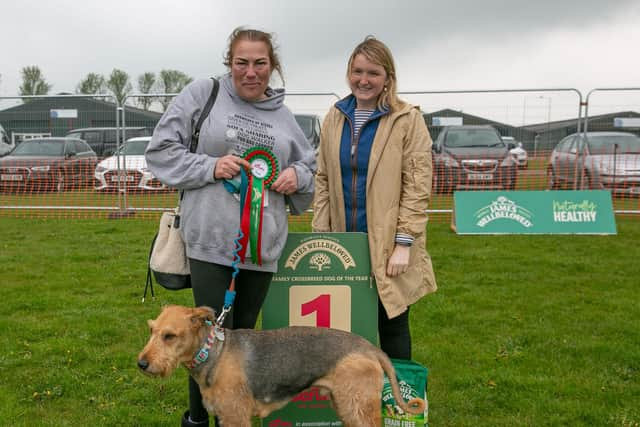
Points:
[(264, 171)]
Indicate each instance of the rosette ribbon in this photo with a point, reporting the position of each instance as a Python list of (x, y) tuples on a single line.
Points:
[(264, 170)]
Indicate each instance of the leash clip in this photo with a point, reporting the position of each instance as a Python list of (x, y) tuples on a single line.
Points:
[(218, 332), (225, 311)]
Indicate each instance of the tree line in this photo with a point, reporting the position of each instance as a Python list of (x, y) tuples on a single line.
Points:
[(118, 83)]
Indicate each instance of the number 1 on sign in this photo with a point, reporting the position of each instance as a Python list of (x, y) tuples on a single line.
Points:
[(320, 306)]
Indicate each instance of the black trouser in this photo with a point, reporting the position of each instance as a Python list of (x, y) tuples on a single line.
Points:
[(395, 336), (210, 283)]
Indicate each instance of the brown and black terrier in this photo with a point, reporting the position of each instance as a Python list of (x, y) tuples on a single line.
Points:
[(244, 372)]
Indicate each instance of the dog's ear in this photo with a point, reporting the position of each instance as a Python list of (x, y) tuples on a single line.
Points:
[(202, 314)]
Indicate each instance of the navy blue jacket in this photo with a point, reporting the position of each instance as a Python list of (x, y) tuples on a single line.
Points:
[(354, 162)]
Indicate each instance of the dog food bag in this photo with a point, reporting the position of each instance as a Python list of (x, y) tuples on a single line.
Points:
[(412, 378)]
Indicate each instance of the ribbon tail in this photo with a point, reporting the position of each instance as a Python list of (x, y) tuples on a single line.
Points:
[(257, 188), (260, 231), (245, 218)]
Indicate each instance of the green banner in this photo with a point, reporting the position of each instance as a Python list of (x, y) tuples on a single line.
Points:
[(534, 212), (323, 280)]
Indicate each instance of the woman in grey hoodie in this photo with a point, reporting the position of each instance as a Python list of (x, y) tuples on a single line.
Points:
[(247, 113)]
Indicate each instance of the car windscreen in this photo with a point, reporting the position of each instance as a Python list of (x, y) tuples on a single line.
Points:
[(458, 138), (42, 147), (134, 132), (306, 124), (134, 148), (608, 144)]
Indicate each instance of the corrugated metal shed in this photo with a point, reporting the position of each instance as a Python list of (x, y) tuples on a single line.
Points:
[(34, 116), (550, 133)]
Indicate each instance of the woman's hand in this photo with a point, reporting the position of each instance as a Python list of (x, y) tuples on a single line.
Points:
[(399, 261), (229, 166), (287, 182)]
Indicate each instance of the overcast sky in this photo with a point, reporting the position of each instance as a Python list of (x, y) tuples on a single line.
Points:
[(438, 45)]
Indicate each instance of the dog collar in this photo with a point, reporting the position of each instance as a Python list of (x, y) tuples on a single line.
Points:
[(216, 333)]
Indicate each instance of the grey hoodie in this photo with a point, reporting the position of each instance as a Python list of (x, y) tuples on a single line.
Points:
[(210, 214)]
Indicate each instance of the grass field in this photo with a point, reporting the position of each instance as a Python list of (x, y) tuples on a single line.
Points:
[(524, 330)]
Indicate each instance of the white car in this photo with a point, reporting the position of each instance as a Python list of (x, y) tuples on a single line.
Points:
[(134, 175), (518, 152)]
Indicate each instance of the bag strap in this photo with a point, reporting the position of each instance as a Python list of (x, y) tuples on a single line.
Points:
[(195, 135), (149, 284)]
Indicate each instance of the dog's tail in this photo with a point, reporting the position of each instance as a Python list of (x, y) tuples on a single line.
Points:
[(414, 406)]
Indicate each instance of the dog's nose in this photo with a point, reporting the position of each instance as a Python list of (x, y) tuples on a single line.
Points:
[(143, 364)]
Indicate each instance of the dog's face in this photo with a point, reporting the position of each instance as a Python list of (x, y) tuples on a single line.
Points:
[(176, 335)]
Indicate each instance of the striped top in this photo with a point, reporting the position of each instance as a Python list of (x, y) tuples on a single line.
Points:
[(361, 116), (404, 239)]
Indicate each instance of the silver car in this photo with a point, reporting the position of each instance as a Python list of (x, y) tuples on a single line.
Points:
[(596, 160)]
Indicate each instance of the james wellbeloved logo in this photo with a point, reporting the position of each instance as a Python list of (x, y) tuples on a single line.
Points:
[(568, 211), (320, 260), (534, 212), (503, 208)]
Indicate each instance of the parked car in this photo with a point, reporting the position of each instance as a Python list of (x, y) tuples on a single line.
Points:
[(103, 140), (5, 143), (310, 125), (515, 147), (472, 157), (48, 164), (596, 160), (134, 173)]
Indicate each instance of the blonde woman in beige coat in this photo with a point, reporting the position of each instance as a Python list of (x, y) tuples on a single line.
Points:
[(374, 176)]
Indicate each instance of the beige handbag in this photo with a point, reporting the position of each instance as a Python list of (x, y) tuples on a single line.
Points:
[(168, 254), (168, 260)]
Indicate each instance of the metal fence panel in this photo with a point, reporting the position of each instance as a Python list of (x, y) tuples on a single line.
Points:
[(607, 160), (52, 177), (121, 186)]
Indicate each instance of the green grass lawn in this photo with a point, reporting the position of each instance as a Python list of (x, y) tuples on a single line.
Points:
[(524, 330)]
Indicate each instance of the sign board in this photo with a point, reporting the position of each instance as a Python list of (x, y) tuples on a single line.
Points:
[(63, 114), (323, 280), (533, 212), (446, 121), (626, 122)]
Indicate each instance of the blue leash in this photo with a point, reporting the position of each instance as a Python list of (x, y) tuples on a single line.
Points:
[(234, 186)]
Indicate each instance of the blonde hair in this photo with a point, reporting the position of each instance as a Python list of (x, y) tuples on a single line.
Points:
[(378, 53), (249, 34)]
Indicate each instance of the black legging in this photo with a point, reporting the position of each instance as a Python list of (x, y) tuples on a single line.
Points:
[(395, 336), (210, 282)]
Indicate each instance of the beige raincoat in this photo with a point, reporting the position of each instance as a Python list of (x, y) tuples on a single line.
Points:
[(398, 193)]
